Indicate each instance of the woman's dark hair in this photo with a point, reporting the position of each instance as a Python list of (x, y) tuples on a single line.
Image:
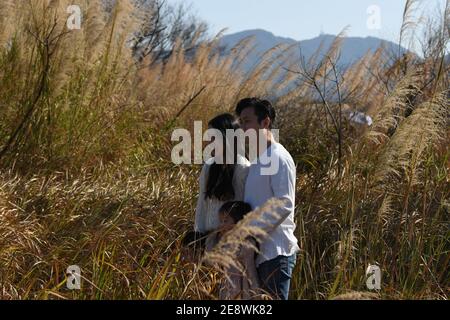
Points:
[(220, 177), (262, 108), (236, 210)]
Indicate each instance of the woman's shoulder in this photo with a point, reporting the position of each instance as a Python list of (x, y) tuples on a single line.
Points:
[(205, 170), (242, 162), (206, 165), (209, 162)]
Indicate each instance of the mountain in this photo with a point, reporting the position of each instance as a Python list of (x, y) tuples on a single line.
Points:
[(264, 39), (352, 49)]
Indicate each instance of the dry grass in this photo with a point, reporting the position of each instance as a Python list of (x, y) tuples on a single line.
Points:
[(86, 176)]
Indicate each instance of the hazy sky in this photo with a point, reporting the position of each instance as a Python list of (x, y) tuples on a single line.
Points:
[(305, 19)]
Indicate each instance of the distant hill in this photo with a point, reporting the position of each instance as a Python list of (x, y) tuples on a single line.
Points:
[(352, 49)]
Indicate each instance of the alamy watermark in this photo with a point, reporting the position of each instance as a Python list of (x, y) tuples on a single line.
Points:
[(373, 274), (234, 142), (374, 17), (74, 20), (73, 278)]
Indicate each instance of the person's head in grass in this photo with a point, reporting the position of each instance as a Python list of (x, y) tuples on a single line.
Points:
[(192, 246), (231, 213)]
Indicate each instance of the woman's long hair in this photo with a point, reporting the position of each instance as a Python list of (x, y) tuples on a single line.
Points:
[(220, 178)]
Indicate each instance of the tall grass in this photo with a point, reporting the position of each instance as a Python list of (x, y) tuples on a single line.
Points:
[(86, 176)]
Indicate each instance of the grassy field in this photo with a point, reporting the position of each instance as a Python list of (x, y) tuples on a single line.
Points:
[(86, 176)]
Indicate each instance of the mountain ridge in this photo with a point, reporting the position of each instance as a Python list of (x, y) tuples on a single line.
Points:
[(352, 49)]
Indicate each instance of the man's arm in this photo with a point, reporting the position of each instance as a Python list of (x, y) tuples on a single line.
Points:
[(283, 187)]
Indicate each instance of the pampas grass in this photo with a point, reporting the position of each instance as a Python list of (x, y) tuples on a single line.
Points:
[(86, 176)]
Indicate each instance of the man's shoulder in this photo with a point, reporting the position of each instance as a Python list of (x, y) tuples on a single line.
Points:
[(283, 154)]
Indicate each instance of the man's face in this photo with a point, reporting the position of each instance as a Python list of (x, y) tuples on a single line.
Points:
[(249, 120)]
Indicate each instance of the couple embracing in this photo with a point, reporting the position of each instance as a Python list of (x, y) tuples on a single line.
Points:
[(229, 191)]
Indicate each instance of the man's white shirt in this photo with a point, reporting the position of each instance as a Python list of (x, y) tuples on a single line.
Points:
[(261, 187)]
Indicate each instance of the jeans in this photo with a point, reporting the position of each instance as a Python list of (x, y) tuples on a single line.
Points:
[(275, 275)]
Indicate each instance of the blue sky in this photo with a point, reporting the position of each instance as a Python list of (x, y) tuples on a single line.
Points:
[(305, 19)]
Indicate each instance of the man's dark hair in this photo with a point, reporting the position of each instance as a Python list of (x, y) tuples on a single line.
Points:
[(236, 210), (262, 108)]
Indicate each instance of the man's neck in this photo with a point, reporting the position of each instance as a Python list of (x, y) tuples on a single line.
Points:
[(268, 140)]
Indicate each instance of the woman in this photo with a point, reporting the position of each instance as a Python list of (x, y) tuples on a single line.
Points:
[(219, 183)]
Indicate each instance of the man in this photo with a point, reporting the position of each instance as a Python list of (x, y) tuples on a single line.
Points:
[(277, 257)]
